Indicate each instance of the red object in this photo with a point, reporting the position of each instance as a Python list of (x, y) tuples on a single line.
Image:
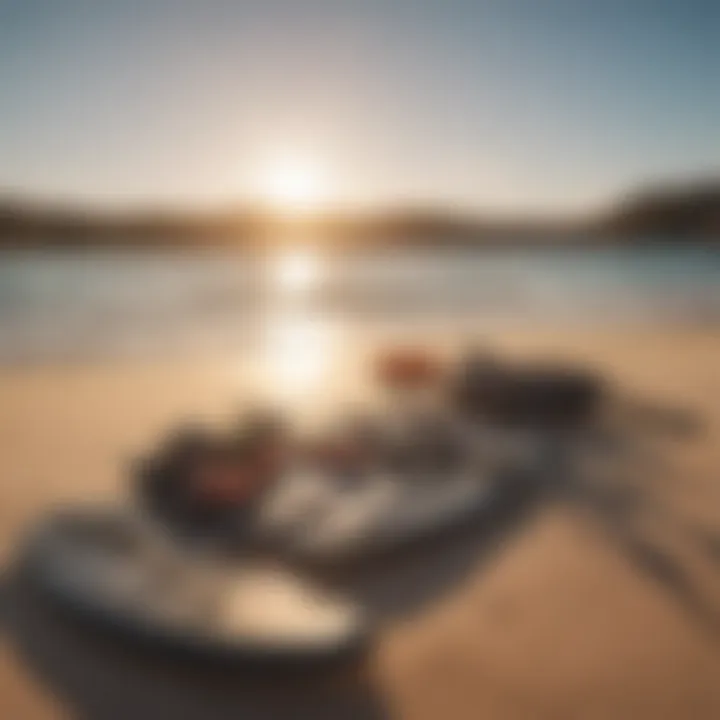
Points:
[(408, 368), (228, 480)]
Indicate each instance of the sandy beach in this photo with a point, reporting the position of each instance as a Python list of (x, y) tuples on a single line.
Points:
[(568, 617)]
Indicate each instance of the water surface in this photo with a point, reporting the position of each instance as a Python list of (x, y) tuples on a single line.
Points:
[(167, 303)]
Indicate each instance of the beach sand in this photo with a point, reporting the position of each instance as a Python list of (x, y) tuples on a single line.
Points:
[(576, 613)]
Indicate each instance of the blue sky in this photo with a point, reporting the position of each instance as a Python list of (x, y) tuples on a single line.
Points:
[(534, 105)]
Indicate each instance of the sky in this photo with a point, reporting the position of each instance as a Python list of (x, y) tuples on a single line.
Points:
[(505, 105)]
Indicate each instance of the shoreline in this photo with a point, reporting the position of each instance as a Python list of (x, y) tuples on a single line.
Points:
[(381, 336)]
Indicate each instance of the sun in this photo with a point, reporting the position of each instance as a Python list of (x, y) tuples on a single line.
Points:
[(294, 185)]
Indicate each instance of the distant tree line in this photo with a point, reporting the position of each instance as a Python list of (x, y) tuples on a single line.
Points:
[(690, 211)]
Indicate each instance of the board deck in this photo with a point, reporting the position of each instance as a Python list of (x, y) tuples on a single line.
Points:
[(320, 519), (111, 567)]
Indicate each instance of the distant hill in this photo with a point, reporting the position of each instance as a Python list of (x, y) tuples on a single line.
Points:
[(668, 213), (688, 210), (26, 225)]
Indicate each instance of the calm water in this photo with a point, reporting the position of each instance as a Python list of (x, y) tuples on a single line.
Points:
[(82, 305)]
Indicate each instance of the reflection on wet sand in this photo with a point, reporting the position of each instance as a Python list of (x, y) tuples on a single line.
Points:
[(298, 352), (298, 346)]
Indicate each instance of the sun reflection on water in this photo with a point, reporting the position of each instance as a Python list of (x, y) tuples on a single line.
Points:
[(296, 272), (300, 343)]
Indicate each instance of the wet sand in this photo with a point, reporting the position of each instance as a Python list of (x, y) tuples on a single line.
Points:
[(581, 610)]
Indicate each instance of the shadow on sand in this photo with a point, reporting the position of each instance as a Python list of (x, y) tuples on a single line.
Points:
[(626, 502)]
